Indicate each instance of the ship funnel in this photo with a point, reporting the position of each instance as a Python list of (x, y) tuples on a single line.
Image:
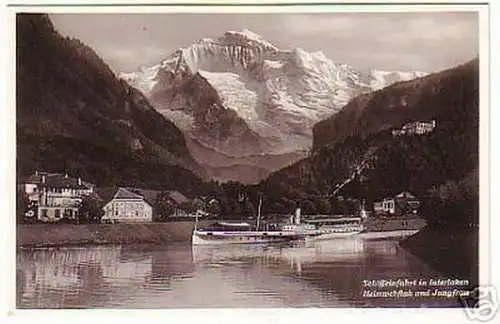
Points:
[(362, 213), (297, 216)]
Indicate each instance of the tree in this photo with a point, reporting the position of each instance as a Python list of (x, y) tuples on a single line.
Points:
[(235, 209), (90, 209), (323, 206), (453, 202), (277, 207), (188, 206), (197, 204), (308, 207), (163, 207), (214, 207), (22, 205), (248, 209)]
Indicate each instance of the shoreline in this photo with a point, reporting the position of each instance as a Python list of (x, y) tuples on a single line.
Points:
[(451, 250), (61, 235)]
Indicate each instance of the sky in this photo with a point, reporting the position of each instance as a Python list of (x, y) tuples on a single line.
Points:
[(403, 41)]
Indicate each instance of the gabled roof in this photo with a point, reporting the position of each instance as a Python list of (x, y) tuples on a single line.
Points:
[(107, 193), (123, 193), (405, 194), (177, 197), (149, 195), (56, 180), (152, 195)]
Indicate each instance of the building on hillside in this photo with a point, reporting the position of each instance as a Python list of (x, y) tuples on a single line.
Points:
[(402, 204), (55, 196), (126, 207), (415, 128)]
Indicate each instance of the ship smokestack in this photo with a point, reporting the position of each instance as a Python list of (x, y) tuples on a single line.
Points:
[(297, 216), (362, 213)]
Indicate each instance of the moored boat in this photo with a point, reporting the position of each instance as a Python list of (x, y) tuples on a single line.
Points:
[(332, 228), (238, 233), (336, 229)]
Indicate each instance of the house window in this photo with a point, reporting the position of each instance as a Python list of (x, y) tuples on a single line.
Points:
[(57, 213), (136, 213), (44, 212)]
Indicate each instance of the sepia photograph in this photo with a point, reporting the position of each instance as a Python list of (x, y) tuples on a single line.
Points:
[(323, 156)]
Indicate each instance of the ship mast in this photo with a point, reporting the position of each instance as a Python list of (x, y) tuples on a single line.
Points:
[(196, 222), (259, 209)]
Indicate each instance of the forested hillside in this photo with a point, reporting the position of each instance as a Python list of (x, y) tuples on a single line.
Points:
[(421, 164), (75, 115)]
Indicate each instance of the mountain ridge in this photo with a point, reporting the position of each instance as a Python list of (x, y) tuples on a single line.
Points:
[(274, 96), (74, 114)]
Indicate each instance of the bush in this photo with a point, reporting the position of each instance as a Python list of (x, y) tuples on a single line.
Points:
[(90, 210)]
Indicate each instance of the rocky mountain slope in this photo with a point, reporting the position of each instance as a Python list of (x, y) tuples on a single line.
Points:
[(240, 96), (74, 114)]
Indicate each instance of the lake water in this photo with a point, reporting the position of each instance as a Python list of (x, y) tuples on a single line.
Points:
[(322, 274)]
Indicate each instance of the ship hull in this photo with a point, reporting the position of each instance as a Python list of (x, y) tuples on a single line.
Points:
[(331, 235), (225, 238)]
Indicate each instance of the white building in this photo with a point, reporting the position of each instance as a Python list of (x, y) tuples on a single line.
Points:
[(126, 207), (415, 128), (55, 195)]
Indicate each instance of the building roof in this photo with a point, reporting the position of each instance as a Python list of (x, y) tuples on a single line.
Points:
[(106, 193), (123, 193), (57, 180), (405, 194), (150, 196), (177, 196)]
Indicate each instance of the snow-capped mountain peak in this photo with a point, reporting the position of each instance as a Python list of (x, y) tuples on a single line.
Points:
[(275, 95), (246, 37)]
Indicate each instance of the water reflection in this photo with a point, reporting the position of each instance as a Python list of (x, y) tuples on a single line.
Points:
[(93, 276), (322, 274)]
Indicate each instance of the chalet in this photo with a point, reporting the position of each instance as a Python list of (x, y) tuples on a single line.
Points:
[(177, 199), (54, 196), (415, 128), (127, 206), (401, 204)]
